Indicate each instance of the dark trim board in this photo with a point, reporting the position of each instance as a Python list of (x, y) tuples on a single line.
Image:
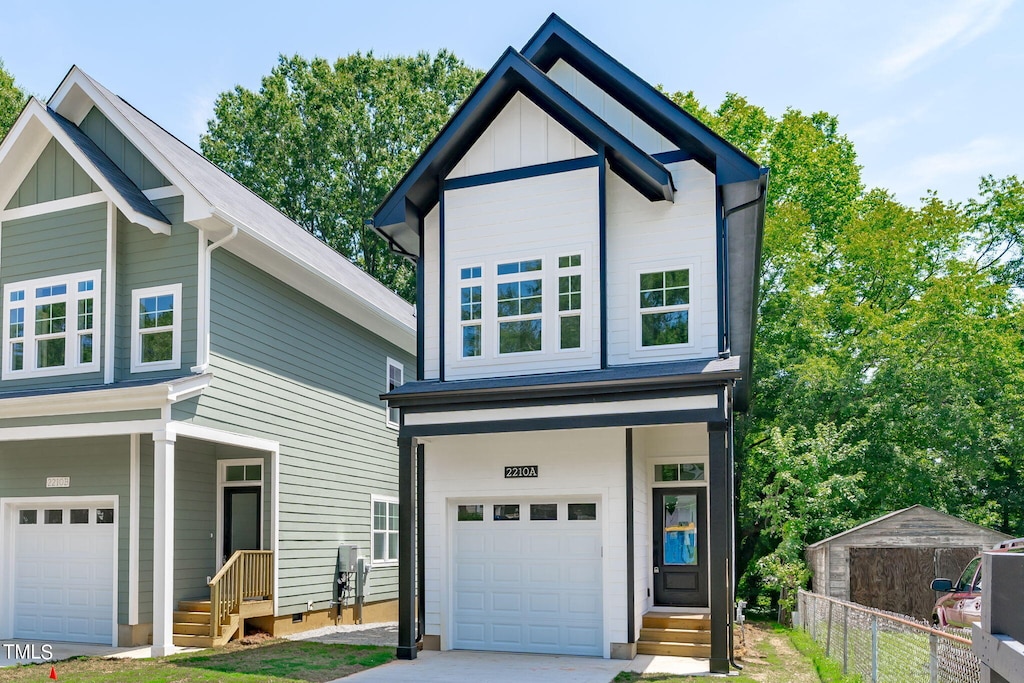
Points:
[(522, 172), (421, 546), (406, 551), (602, 238), (674, 156), (575, 422), (630, 544), (719, 534), (440, 286)]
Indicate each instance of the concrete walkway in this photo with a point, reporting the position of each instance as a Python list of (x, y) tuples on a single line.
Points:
[(495, 667)]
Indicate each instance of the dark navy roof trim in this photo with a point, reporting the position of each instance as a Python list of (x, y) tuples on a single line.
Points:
[(417, 192), (556, 39), (114, 175), (648, 375)]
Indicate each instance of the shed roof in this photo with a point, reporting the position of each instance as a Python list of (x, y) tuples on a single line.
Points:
[(923, 508)]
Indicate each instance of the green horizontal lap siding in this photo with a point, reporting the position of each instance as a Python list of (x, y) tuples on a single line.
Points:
[(51, 245), (148, 260), (123, 153), (55, 175), (195, 518), (83, 418), (145, 529), (96, 466), (288, 369)]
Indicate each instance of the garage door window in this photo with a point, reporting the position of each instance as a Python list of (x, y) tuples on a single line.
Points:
[(27, 517), (583, 512), (53, 517), (543, 511), (79, 516), (506, 513), (471, 513), (105, 516)]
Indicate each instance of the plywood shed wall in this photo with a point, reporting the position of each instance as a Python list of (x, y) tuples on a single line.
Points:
[(889, 562)]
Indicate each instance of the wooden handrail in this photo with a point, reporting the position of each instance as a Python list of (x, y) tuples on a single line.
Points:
[(246, 574)]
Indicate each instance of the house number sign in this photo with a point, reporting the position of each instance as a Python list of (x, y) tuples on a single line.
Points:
[(520, 471), (58, 482)]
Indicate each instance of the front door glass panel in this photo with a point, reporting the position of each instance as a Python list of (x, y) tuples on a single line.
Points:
[(680, 530)]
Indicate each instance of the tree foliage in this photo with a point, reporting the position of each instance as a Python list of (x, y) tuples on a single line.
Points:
[(889, 363), (324, 142), (12, 100)]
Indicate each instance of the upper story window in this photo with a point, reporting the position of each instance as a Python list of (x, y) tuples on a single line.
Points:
[(570, 301), (52, 326), (520, 305), (471, 311), (665, 308), (156, 328), (395, 379)]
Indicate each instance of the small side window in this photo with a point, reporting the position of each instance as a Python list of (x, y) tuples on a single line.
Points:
[(395, 379)]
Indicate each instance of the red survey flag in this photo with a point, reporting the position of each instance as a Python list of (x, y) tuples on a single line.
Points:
[(53, 673)]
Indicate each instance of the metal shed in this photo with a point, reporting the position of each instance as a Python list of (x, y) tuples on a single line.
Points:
[(889, 562)]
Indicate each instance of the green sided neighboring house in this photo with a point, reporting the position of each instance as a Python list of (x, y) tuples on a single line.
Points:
[(189, 392)]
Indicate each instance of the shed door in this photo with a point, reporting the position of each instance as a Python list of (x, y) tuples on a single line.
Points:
[(63, 563), (527, 577)]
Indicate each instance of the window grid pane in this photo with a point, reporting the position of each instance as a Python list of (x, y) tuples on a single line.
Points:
[(472, 303), (79, 516), (27, 516)]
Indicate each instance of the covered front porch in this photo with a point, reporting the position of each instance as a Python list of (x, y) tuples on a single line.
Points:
[(111, 521)]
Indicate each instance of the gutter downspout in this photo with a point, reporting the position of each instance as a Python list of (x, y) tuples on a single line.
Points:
[(203, 359)]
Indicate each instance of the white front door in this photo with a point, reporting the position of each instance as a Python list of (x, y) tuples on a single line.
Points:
[(63, 572), (527, 577)]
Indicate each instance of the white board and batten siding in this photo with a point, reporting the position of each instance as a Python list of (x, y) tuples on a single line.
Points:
[(431, 294), (573, 466), (541, 217), (628, 124), (522, 134), (646, 236)]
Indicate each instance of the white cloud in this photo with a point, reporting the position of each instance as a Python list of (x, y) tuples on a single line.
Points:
[(883, 128), (961, 23), (952, 171), (200, 110)]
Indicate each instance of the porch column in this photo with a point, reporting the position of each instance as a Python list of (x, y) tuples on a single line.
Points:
[(719, 521), (163, 543), (406, 550)]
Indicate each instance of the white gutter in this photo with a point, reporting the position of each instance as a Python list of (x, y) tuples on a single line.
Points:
[(205, 263)]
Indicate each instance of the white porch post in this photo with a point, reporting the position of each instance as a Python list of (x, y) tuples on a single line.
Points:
[(163, 543)]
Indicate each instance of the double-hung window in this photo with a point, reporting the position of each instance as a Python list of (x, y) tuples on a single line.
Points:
[(395, 379), (471, 311), (570, 301), (520, 306), (385, 530), (156, 328), (52, 326), (665, 308)]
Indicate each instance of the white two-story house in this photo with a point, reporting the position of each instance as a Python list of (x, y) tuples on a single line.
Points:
[(588, 257)]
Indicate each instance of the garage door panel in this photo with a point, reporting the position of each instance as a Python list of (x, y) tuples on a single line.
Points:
[(63, 577), (540, 582)]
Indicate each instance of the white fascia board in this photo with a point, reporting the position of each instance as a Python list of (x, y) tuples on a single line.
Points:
[(36, 111), (24, 143), (315, 283), (73, 98), (149, 397)]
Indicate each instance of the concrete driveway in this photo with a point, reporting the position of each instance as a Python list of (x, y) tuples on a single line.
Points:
[(497, 667)]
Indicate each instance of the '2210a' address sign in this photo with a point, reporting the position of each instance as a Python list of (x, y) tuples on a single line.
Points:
[(520, 471)]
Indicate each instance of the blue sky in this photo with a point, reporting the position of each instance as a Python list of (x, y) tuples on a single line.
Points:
[(930, 91)]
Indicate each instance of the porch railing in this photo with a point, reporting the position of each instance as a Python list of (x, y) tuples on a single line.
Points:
[(247, 574)]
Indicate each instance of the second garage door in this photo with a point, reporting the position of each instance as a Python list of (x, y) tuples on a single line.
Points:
[(527, 577)]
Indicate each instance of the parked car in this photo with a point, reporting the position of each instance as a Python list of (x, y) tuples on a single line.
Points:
[(960, 604)]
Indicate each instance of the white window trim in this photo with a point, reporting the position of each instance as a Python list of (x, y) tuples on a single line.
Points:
[(391, 363), (71, 298), (637, 313), (560, 272), (374, 498), (223, 483), (545, 304), (175, 362), (480, 322)]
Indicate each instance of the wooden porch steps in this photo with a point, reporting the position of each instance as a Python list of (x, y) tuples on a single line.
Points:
[(675, 635), (192, 625)]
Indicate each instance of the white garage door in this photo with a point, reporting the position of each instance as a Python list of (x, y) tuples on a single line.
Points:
[(527, 577), (63, 563)]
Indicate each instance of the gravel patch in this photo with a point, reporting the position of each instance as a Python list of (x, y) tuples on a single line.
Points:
[(384, 634)]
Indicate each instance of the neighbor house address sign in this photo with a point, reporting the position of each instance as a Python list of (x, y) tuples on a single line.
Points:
[(520, 471), (58, 482)]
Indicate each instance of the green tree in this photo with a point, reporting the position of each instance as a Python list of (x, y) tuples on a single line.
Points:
[(889, 362), (12, 100), (324, 142)]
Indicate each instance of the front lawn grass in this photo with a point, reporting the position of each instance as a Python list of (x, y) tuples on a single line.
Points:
[(273, 661)]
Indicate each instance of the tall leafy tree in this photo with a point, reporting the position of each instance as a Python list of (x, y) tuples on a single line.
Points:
[(12, 100), (889, 362), (324, 142)]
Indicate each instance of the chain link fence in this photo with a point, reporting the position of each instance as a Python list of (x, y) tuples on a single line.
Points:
[(883, 647)]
